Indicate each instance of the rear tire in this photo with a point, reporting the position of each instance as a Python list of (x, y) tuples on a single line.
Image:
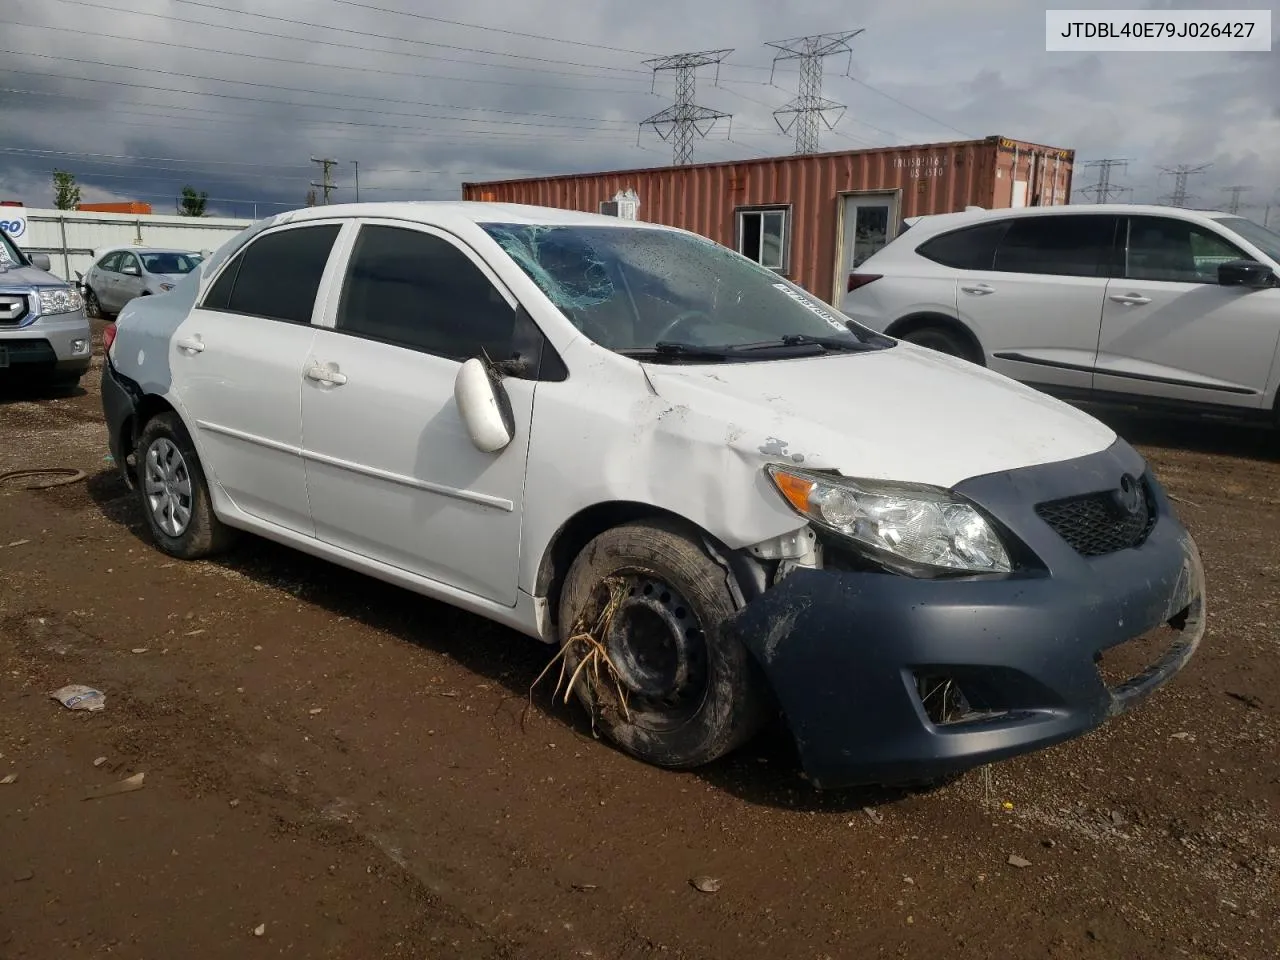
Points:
[(174, 493), (92, 306), (943, 341), (692, 694)]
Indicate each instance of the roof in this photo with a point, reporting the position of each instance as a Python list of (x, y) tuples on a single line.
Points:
[(941, 221), (1003, 143), (447, 212), (101, 251)]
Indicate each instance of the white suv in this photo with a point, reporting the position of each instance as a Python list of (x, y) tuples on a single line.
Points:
[(1158, 306)]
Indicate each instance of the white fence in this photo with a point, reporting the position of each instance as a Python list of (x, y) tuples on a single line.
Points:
[(71, 237)]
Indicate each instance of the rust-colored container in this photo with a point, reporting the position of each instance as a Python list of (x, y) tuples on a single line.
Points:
[(836, 208), (124, 206)]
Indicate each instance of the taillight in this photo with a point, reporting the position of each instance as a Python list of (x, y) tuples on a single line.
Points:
[(108, 337), (857, 280)]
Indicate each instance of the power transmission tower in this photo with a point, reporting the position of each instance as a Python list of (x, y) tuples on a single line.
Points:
[(1233, 206), (684, 118), (1103, 191), (327, 185), (809, 106), (1179, 196)]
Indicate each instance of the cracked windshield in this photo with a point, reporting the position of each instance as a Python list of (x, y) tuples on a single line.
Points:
[(632, 288)]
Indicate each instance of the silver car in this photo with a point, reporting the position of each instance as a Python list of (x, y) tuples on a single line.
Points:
[(119, 275), (43, 331)]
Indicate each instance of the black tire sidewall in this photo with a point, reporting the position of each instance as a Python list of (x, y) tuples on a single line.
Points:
[(936, 339), (731, 708), (204, 533)]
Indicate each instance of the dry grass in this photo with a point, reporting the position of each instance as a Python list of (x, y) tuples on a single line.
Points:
[(594, 654)]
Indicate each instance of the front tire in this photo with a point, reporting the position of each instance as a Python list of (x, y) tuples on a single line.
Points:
[(174, 492), (942, 340), (689, 693)]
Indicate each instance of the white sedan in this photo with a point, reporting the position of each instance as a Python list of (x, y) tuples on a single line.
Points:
[(717, 496)]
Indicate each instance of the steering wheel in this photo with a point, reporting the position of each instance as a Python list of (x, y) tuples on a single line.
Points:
[(681, 318)]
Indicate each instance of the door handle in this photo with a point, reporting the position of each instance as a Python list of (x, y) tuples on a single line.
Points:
[(191, 346), (326, 373), (1130, 299), (978, 289)]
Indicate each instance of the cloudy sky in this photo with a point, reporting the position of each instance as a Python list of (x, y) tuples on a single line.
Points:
[(139, 97)]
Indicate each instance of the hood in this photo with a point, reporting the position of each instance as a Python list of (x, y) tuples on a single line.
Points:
[(905, 413), (173, 278), (12, 275)]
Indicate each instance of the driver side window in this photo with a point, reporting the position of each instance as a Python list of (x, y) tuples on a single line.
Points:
[(417, 290), (1175, 251)]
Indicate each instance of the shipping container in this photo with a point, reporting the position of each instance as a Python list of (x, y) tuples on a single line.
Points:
[(124, 206), (814, 217), (73, 238)]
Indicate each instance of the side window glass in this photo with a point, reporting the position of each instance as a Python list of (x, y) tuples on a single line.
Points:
[(127, 261), (111, 262), (1064, 246), (279, 273), (419, 291), (1175, 251), (219, 295), (970, 248)]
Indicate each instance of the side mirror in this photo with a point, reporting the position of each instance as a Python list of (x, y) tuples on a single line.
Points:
[(484, 406), (131, 270), (41, 261), (1245, 273)]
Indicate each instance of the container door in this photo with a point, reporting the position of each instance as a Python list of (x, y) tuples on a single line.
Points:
[(870, 221)]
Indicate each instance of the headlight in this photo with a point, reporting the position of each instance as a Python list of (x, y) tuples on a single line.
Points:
[(915, 529), (60, 300)]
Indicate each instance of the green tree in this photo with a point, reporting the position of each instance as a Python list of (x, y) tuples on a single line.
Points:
[(193, 203), (66, 193)]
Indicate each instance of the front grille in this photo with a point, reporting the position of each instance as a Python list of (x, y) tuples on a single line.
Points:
[(13, 309), (1097, 524), (28, 351)]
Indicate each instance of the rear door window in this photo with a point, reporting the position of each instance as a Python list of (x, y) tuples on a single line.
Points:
[(277, 275), (1071, 245)]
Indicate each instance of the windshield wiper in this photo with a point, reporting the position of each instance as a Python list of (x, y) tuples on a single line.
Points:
[(668, 349), (806, 340)]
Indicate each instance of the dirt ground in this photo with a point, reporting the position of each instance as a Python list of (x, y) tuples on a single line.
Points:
[(335, 768)]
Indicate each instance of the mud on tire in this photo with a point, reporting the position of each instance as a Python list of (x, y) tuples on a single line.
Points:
[(691, 693)]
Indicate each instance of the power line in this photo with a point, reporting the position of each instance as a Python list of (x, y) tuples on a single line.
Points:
[(809, 106), (382, 36), (312, 41), (525, 84), (684, 118), (315, 106), (276, 86), (1179, 197), (1233, 205), (476, 26), (1103, 191), (108, 157), (904, 104), (169, 121)]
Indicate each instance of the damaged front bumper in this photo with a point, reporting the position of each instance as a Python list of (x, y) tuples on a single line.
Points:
[(845, 651)]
